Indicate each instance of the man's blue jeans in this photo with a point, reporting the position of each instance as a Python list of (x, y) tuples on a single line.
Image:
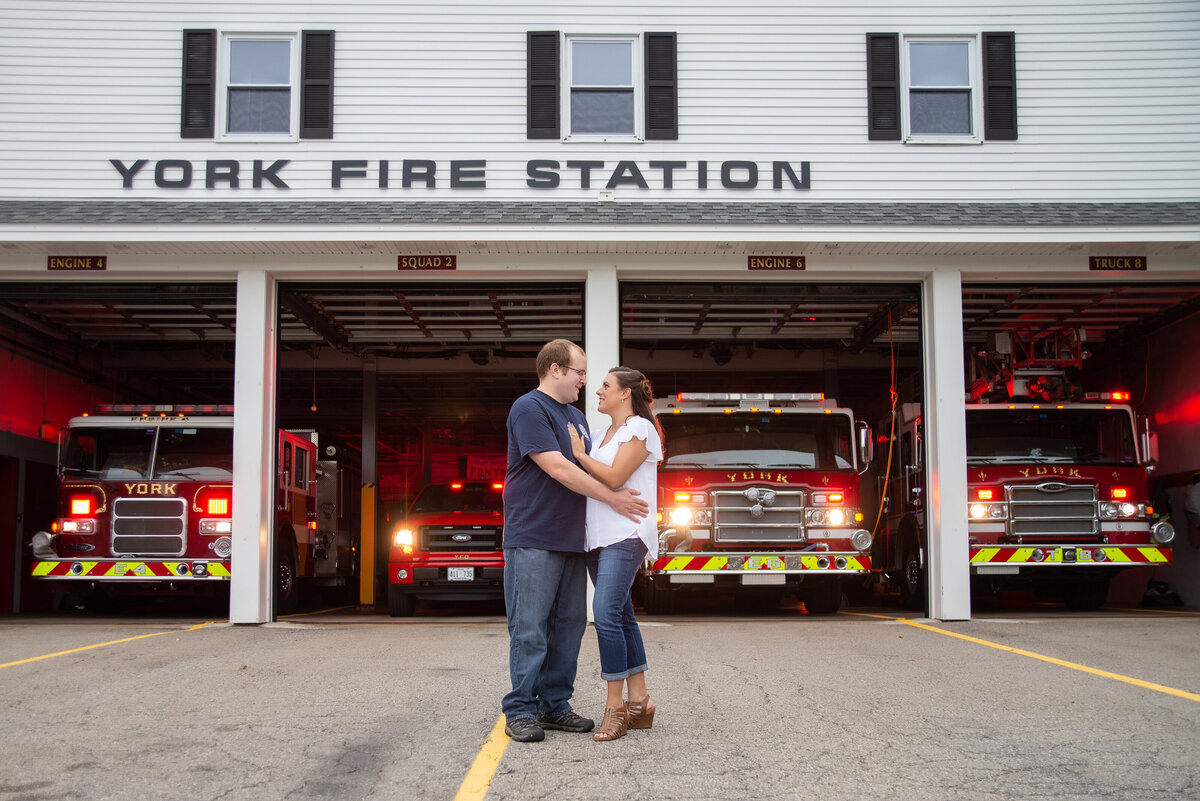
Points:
[(612, 569), (546, 595)]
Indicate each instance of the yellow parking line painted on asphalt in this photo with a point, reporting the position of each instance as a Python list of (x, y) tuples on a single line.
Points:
[(1156, 611), (479, 777), (103, 644), (319, 612), (1148, 685)]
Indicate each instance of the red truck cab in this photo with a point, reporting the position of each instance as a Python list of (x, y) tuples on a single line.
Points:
[(449, 545)]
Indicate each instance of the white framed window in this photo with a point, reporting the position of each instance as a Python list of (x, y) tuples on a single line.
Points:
[(942, 99), (258, 80), (603, 89)]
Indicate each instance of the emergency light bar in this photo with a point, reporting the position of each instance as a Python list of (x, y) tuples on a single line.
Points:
[(1106, 396), (750, 396), (168, 408)]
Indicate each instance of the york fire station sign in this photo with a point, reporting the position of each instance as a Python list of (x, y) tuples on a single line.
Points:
[(544, 174)]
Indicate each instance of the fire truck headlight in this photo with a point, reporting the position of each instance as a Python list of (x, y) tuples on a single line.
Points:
[(79, 526), (403, 538), (1162, 532), (222, 547), (997, 510), (1128, 509), (837, 517), (817, 517), (680, 516), (978, 510), (861, 539), (216, 526)]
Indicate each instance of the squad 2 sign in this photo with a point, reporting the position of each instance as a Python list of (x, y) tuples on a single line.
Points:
[(426, 262), (469, 174)]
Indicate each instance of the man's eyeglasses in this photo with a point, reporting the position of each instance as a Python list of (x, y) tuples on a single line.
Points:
[(582, 373)]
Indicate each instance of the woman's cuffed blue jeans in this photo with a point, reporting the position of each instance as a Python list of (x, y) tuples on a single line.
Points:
[(546, 596), (613, 569)]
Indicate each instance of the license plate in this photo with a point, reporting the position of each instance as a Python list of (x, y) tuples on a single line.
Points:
[(765, 563), (460, 573)]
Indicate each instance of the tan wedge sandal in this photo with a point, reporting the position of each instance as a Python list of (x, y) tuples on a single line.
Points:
[(614, 724), (641, 713)]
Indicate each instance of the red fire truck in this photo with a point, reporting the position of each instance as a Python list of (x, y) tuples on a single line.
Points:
[(759, 496), (1058, 495), (448, 546), (145, 505)]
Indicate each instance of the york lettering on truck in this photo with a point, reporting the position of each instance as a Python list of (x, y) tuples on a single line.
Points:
[(150, 488)]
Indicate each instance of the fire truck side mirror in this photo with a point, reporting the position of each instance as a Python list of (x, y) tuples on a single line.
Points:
[(866, 446), (1149, 441)]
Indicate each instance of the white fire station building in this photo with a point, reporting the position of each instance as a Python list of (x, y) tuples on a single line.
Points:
[(756, 197)]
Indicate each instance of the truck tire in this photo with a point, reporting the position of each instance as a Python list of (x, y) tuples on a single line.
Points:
[(657, 597), (400, 603), (287, 575), (1086, 595), (823, 597), (913, 583)]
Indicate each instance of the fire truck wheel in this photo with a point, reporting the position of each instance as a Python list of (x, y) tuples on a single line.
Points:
[(824, 597), (400, 603), (912, 580), (287, 571), (1086, 595), (657, 597)]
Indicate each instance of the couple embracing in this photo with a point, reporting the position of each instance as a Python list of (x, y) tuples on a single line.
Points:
[(577, 502)]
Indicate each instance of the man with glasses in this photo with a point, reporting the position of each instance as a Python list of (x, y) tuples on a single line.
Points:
[(545, 574)]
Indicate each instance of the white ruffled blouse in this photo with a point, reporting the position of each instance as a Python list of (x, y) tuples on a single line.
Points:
[(606, 527)]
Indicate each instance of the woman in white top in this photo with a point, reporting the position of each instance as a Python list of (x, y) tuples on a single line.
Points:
[(625, 453)]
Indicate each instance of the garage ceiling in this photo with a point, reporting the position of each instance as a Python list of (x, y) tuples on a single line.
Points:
[(416, 320), (159, 342)]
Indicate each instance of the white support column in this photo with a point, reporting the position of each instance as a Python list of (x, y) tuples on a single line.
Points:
[(602, 332), (254, 442), (946, 447), (602, 341)]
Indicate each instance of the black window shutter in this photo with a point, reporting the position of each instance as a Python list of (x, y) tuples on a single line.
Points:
[(316, 85), (662, 87), (999, 87), (542, 94), (883, 86), (198, 96)]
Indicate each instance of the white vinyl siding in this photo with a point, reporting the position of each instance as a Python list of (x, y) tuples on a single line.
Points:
[(1108, 98)]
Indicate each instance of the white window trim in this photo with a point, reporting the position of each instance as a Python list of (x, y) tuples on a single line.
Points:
[(976, 74), (222, 89), (639, 88)]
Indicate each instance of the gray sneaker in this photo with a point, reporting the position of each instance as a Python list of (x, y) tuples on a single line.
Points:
[(567, 721), (524, 730)]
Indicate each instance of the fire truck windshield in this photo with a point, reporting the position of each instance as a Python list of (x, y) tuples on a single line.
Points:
[(1075, 435), (200, 454), (466, 496), (804, 441)]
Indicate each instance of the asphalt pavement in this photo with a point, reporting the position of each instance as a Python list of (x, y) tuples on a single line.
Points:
[(1019, 703)]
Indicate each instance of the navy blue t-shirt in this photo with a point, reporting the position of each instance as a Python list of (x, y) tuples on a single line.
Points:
[(539, 512)]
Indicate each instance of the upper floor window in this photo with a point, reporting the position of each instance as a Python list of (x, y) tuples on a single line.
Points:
[(276, 86), (259, 76), (620, 88), (941, 89), (603, 81)]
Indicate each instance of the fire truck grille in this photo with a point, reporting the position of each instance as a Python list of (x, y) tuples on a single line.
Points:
[(461, 538), (1053, 510), (149, 526), (737, 517)]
